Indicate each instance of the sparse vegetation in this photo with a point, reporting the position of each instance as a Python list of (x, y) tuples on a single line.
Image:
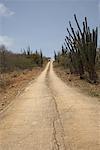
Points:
[(78, 61), (10, 61), (74, 81), (16, 70), (13, 62), (79, 54)]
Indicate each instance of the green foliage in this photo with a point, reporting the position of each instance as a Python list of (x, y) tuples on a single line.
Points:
[(98, 60), (3, 52)]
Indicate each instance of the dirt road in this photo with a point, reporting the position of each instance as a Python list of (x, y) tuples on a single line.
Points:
[(49, 115)]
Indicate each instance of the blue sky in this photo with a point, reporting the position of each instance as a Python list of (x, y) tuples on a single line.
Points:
[(42, 23)]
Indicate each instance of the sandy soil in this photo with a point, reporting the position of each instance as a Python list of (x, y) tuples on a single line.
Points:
[(83, 86), (49, 115), (15, 83), (79, 114)]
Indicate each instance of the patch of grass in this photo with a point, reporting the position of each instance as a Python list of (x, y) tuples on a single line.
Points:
[(94, 94)]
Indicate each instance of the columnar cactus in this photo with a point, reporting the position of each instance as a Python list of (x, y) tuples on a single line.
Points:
[(82, 45)]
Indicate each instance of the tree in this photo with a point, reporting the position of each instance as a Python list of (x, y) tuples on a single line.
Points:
[(41, 58), (2, 66), (2, 58), (55, 56), (28, 51)]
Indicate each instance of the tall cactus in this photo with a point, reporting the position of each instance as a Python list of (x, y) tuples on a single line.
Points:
[(82, 45), (87, 47), (76, 60)]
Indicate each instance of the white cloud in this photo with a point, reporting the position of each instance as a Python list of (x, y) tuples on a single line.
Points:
[(4, 11), (7, 41)]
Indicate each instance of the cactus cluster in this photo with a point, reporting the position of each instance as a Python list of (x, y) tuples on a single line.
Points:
[(82, 45)]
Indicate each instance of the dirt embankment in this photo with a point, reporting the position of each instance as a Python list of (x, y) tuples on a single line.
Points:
[(15, 83), (74, 81)]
